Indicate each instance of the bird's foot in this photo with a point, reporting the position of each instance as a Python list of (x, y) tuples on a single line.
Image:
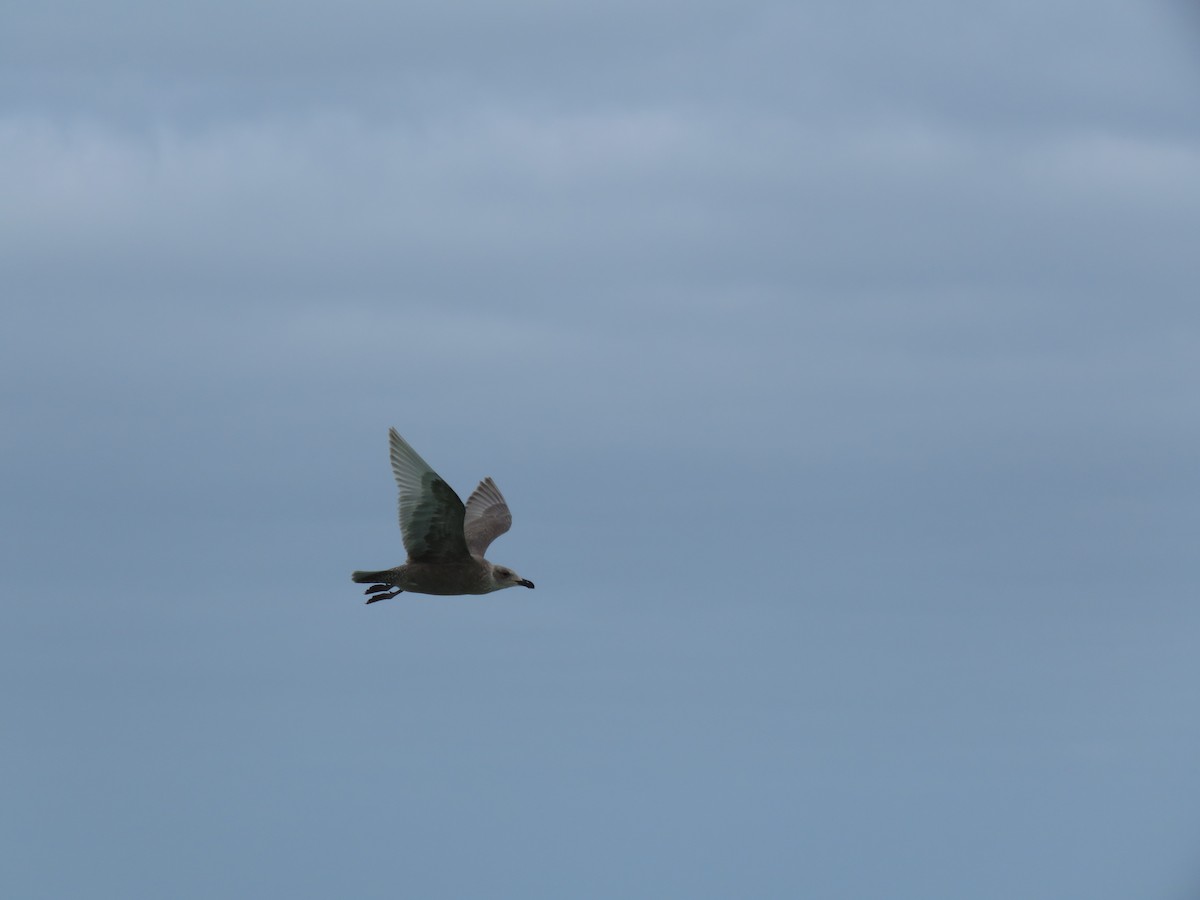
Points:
[(379, 592)]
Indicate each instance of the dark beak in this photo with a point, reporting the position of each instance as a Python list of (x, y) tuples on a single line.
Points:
[(525, 582)]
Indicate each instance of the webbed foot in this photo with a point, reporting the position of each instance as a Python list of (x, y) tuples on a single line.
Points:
[(376, 590)]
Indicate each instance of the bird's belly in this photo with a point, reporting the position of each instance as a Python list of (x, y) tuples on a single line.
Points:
[(444, 580)]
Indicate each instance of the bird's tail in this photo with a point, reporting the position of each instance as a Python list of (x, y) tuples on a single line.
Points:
[(369, 577)]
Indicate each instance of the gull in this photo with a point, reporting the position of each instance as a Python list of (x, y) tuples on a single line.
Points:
[(445, 540)]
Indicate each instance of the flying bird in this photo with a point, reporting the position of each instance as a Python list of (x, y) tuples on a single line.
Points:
[(445, 540)]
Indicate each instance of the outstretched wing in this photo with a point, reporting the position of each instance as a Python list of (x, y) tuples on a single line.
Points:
[(431, 514), (487, 517)]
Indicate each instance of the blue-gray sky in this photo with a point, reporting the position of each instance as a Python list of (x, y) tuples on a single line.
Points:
[(839, 362)]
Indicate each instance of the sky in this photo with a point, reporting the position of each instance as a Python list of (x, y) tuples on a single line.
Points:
[(839, 363)]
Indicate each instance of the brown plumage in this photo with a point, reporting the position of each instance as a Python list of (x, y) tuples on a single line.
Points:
[(445, 540)]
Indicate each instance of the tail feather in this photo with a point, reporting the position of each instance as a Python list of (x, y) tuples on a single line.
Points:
[(368, 577)]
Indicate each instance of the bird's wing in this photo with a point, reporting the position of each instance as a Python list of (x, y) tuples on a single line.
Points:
[(487, 517), (431, 514)]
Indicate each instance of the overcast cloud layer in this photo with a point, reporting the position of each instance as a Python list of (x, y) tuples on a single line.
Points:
[(839, 363)]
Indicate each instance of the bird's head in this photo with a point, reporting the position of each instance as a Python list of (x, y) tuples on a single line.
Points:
[(504, 577)]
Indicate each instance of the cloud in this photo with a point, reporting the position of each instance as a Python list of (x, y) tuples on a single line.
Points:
[(671, 262), (529, 205)]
